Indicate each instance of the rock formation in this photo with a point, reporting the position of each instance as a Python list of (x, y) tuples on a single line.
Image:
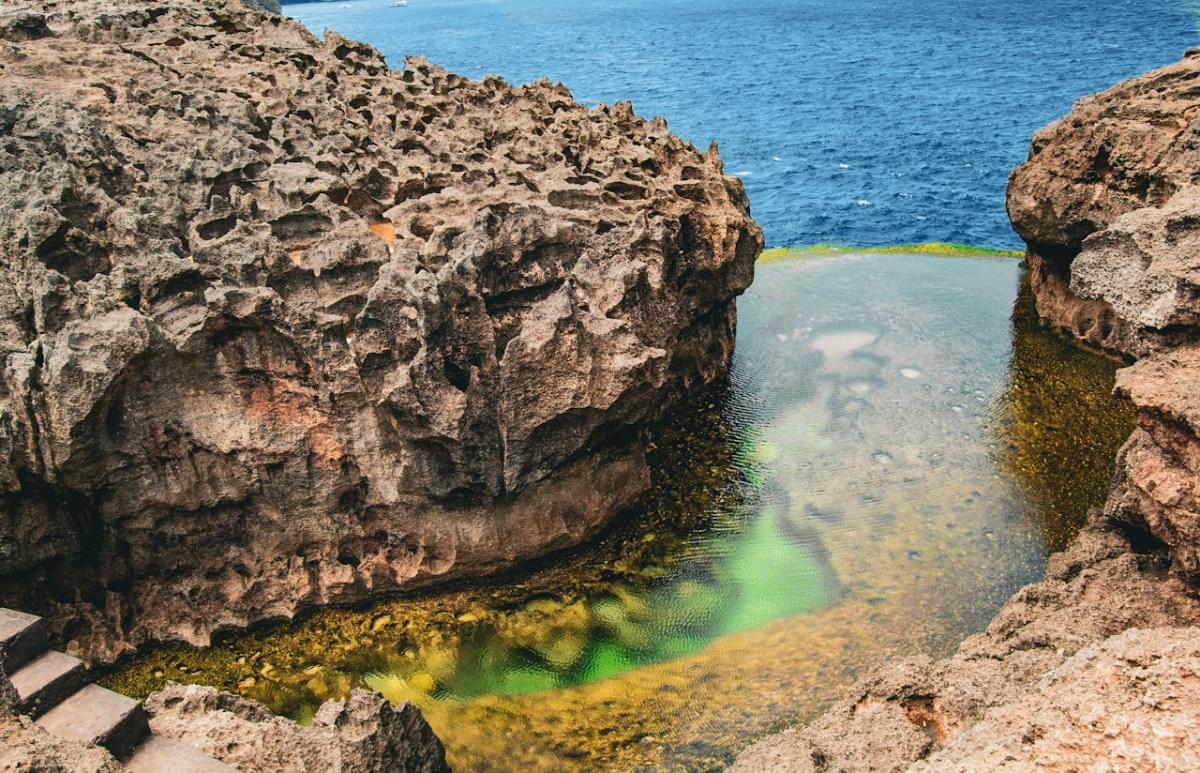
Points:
[(1105, 203), (1109, 205), (1096, 666), (363, 734), (283, 327)]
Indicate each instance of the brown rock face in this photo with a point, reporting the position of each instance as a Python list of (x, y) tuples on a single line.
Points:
[(1109, 206), (363, 734), (1106, 207), (1148, 683), (283, 327), (1158, 472)]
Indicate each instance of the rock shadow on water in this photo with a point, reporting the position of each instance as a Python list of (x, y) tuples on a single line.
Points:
[(1058, 424)]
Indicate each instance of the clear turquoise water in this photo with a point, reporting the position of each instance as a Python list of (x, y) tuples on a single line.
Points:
[(861, 122)]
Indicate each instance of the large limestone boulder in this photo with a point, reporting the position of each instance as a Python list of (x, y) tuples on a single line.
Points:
[(1107, 207), (281, 326)]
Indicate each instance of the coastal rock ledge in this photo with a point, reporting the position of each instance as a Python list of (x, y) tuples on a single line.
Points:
[(283, 327), (1096, 667)]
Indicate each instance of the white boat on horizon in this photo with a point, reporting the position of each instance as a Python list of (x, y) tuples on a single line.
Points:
[(400, 3)]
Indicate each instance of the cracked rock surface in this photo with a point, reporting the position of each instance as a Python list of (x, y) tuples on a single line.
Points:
[(281, 326)]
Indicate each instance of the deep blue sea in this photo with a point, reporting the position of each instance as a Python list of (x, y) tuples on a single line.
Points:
[(862, 122)]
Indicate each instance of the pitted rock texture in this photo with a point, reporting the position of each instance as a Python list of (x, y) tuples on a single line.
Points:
[(362, 734), (1146, 267), (1107, 206), (1128, 703), (284, 327), (1158, 470)]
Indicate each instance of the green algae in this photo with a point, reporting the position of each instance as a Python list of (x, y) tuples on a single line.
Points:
[(1060, 424), (503, 639), (945, 249), (817, 513)]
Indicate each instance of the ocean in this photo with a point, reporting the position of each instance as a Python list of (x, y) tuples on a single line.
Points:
[(858, 122)]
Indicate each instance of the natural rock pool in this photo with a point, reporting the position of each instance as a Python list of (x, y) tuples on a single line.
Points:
[(898, 447)]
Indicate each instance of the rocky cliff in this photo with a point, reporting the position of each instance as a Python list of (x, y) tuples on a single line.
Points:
[(282, 326), (1095, 667)]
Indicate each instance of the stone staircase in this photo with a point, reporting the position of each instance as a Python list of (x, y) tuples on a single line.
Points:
[(54, 689)]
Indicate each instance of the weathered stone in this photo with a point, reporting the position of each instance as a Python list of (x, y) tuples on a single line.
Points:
[(1158, 471), (1127, 703), (22, 24), (29, 749), (1133, 147), (285, 327), (270, 6), (1146, 266), (363, 734)]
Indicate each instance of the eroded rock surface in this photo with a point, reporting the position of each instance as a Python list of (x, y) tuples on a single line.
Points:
[(1095, 667), (1107, 206), (27, 748), (283, 327), (362, 734), (1127, 703), (1158, 471)]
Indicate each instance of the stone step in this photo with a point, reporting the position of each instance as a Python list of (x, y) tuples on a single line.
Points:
[(100, 716), (22, 638), (45, 681), (162, 755)]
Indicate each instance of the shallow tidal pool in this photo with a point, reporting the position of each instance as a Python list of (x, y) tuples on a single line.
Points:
[(898, 447)]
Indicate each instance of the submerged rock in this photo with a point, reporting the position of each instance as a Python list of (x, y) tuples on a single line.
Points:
[(283, 327)]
